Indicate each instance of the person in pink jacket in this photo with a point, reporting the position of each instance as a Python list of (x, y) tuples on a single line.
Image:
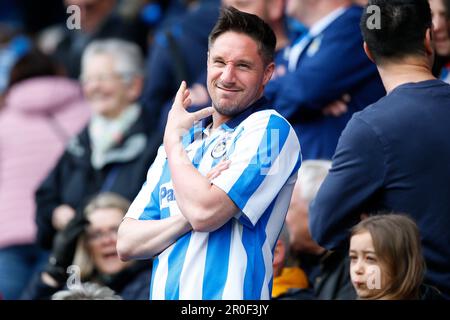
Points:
[(41, 111)]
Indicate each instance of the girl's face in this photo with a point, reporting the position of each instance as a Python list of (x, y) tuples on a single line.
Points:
[(369, 276)]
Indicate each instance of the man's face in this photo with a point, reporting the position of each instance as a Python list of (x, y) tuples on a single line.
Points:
[(297, 222), (297, 9), (236, 73)]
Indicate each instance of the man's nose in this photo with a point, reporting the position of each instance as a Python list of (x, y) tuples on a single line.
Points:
[(228, 74)]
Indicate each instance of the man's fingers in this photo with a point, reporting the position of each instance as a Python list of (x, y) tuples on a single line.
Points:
[(180, 93), (187, 102), (203, 113), (224, 164)]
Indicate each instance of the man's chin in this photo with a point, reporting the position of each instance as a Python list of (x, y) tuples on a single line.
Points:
[(226, 109)]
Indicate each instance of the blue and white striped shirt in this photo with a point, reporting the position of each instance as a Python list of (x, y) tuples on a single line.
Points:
[(235, 261)]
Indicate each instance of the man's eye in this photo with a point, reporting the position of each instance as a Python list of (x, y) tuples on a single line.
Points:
[(243, 66)]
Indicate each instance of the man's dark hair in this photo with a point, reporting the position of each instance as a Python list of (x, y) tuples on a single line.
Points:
[(402, 30), (447, 8), (234, 20)]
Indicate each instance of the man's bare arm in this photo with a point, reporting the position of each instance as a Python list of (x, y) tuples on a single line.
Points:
[(143, 239)]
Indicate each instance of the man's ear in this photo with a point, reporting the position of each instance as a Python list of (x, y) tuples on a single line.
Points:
[(279, 253), (428, 42), (368, 52), (268, 72)]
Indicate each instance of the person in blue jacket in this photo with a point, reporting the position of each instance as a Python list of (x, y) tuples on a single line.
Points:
[(178, 53), (325, 66), (395, 154)]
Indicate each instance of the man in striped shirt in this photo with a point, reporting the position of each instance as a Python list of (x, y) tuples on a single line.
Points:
[(217, 194)]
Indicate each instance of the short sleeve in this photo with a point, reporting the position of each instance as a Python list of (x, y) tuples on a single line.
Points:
[(146, 204)]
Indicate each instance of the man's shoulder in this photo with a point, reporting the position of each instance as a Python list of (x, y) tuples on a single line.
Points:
[(347, 21), (270, 117), (407, 100)]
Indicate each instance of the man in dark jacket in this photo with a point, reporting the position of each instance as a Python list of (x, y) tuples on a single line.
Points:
[(395, 154), (326, 65)]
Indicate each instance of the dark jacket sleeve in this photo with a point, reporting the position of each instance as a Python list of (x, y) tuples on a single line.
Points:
[(48, 197), (337, 68), (38, 290), (356, 175)]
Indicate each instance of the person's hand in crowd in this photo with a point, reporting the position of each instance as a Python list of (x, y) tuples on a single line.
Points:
[(338, 107), (61, 216), (63, 250), (217, 170)]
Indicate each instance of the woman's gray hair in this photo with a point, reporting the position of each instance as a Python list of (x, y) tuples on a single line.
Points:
[(87, 291), (128, 59)]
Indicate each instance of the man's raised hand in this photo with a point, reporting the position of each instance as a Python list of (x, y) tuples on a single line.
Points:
[(179, 120)]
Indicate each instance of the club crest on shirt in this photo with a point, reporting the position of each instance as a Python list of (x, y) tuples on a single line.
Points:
[(220, 148)]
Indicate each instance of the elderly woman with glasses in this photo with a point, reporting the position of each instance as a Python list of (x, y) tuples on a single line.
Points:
[(113, 152), (85, 251)]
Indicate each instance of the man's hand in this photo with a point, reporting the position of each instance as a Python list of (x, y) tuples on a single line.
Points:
[(61, 216), (338, 107), (64, 246), (217, 170), (179, 121)]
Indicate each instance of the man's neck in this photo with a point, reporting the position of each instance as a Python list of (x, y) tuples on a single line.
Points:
[(394, 75)]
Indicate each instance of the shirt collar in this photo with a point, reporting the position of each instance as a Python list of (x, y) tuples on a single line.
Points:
[(323, 23), (259, 105)]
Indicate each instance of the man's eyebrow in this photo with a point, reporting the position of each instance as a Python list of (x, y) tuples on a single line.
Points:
[(245, 61)]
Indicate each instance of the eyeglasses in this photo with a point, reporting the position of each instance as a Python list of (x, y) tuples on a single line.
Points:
[(97, 236), (104, 77)]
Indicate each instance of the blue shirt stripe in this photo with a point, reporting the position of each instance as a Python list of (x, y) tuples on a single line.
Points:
[(176, 261), (253, 241), (216, 266), (151, 210)]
